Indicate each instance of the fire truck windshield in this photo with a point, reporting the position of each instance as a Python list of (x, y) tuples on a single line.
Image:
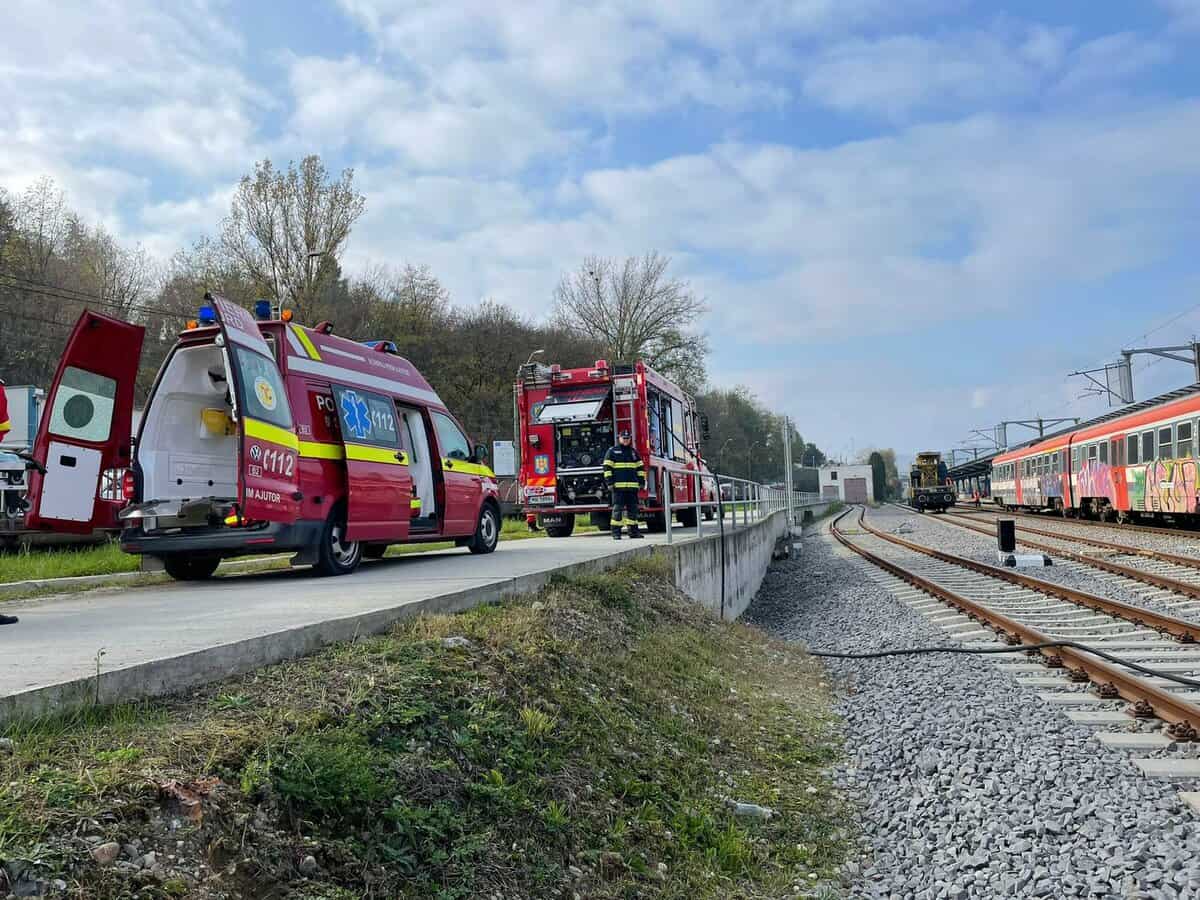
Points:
[(569, 411)]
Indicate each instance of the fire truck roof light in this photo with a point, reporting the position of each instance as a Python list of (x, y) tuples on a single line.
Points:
[(286, 315), (207, 315), (601, 364), (262, 309), (555, 369)]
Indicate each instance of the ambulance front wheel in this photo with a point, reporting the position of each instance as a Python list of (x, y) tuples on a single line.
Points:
[(190, 566), (487, 532), (335, 554)]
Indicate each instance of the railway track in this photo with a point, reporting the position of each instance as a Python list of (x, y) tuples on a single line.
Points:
[(991, 603), (996, 512), (1172, 575)]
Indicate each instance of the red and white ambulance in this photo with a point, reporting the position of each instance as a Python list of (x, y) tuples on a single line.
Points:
[(259, 435)]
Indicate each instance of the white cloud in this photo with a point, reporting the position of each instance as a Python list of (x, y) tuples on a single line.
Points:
[(899, 75), (1185, 14), (93, 93)]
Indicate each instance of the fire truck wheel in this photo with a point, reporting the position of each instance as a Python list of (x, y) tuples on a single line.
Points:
[(563, 530), (189, 567), (687, 518), (602, 520), (710, 513), (487, 532), (336, 555), (656, 523)]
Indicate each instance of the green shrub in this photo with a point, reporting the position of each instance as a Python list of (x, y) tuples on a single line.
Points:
[(330, 773)]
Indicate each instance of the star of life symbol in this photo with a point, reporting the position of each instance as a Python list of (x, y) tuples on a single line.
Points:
[(356, 415)]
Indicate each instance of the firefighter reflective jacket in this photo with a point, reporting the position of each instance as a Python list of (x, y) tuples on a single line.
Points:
[(623, 469), (5, 424)]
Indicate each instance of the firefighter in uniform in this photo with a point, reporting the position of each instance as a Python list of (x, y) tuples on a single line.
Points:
[(625, 475)]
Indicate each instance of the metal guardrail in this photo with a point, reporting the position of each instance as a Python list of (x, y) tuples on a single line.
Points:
[(753, 500)]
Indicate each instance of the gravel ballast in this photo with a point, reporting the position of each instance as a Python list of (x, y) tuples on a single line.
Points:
[(967, 784)]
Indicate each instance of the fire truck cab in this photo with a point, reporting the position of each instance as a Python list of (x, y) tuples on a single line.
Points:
[(567, 419), (258, 436)]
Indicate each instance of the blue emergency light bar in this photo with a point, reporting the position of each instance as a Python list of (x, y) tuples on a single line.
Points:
[(207, 315), (262, 309), (385, 346)]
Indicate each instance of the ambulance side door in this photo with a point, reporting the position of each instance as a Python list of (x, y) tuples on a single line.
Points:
[(378, 484), (463, 477), (86, 426)]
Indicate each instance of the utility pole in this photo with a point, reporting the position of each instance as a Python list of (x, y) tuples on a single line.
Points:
[(1000, 440), (1122, 371)]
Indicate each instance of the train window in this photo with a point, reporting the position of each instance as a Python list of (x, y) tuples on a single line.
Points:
[(1183, 440), (1131, 450), (1104, 452), (1166, 443), (1054, 463), (1147, 446)]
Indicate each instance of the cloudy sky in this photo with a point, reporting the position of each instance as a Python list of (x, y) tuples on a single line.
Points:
[(910, 219)]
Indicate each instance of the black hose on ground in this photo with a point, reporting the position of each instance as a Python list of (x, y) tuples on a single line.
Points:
[(1016, 648)]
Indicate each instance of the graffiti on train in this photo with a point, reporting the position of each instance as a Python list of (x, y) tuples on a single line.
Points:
[(1165, 485), (1096, 480), (1051, 485)]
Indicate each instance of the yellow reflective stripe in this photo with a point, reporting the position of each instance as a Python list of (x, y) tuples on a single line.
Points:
[(626, 485), (415, 503), (306, 341), (623, 465), (265, 431), (468, 468), (363, 453), (6, 425), (315, 450)]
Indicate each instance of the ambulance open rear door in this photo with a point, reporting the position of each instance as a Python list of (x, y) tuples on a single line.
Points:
[(268, 476), (84, 435)]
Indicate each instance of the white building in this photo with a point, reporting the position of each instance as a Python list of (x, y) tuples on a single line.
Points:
[(850, 484)]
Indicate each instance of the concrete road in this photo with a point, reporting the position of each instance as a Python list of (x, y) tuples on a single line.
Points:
[(57, 639)]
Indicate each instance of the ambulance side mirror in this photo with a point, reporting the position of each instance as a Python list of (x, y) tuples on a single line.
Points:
[(481, 453)]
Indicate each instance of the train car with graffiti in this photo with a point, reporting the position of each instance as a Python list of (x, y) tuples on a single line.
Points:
[(1137, 462)]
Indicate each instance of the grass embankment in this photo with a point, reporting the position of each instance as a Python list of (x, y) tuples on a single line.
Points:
[(585, 744)]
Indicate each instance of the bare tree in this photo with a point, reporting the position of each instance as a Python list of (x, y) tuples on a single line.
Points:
[(636, 311), (286, 230), (43, 219)]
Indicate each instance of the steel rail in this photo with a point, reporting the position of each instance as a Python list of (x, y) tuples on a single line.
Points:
[(1183, 718), (1087, 523), (1162, 581), (1182, 629)]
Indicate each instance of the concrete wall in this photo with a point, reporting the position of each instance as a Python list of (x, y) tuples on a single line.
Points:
[(747, 554)]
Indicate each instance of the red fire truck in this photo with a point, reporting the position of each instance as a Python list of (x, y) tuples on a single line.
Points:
[(259, 435), (567, 419)]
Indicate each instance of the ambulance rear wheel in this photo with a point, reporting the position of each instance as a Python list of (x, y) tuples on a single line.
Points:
[(487, 532), (190, 567), (335, 554)]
